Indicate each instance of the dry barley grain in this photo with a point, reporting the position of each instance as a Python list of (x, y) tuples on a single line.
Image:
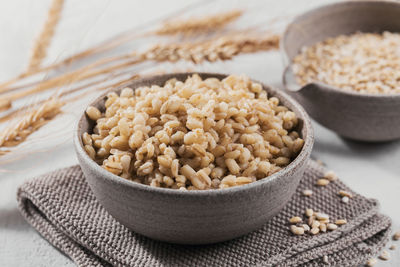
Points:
[(295, 219), (306, 227), (325, 259), (314, 230), (385, 256), (197, 134), (371, 262), (297, 230), (332, 226), (345, 199), (331, 176), (340, 222), (360, 62), (307, 192), (396, 236), (309, 212), (322, 182), (93, 113), (345, 194)]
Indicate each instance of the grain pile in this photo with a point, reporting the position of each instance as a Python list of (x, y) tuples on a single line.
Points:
[(195, 134), (361, 62), (316, 222)]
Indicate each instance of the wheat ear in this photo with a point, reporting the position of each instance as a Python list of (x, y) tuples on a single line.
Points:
[(43, 41), (221, 48), (17, 133), (120, 39)]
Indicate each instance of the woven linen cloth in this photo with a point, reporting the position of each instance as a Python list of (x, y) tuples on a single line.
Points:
[(62, 208)]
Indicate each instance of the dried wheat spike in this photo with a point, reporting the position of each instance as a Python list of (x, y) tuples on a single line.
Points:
[(5, 104), (17, 133), (222, 48), (43, 41), (200, 24)]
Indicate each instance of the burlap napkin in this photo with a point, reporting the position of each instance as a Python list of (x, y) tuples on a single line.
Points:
[(61, 207)]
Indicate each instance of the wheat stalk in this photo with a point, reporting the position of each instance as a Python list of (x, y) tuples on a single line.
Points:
[(186, 27), (46, 111), (221, 48), (3, 152), (66, 79), (5, 104), (54, 81), (44, 39), (64, 94), (198, 24), (17, 133), (190, 25)]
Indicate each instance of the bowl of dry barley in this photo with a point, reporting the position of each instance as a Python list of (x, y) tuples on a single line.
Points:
[(342, 64), (193, 158)]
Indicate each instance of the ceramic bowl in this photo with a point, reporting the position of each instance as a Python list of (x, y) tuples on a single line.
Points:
[(194, 217), (364, 117)]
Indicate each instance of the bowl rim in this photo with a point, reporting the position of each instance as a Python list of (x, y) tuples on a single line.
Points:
[(302, 156), (327, 87)]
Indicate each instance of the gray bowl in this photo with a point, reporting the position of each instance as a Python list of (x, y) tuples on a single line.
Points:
[(364, 117), (194, 217)]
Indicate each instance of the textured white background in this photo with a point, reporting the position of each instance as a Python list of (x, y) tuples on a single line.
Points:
[(370, 169)]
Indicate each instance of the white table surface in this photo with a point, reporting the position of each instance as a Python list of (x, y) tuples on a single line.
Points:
[(370, 169)]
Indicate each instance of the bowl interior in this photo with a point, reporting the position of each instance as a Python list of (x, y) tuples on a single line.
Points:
[(338, 19), (304, 126)]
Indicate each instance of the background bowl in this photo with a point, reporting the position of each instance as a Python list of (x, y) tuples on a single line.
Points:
[(364, 117), (194, 217)]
